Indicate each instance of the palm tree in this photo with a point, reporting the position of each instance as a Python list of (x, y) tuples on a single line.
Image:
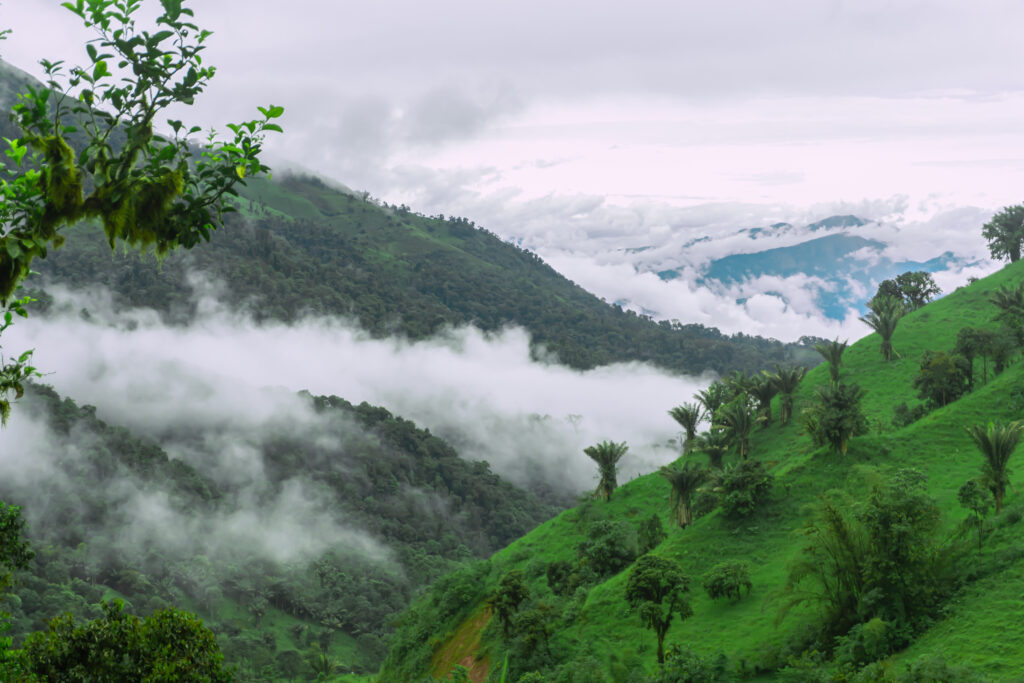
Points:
[(996, 443), (607, 455), (688, 416), (833, 353), (736, 417), (763, 390), (1010, 302), (786, 380), (885, 313), (715, 444), (712, 399), (684, 481), (738, 383)]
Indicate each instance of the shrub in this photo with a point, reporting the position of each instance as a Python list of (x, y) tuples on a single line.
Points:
[(902, 415), (686, 666), (942, 379), (650, 534), (744, 487), (610, 547), (728, 580)]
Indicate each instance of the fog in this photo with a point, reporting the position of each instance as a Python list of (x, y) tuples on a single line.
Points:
[(231, 381), (294, 523)]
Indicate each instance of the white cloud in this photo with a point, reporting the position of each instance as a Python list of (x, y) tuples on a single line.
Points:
[(229, 375)]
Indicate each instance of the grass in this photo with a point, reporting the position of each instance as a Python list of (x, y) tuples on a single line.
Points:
[(983, 625)]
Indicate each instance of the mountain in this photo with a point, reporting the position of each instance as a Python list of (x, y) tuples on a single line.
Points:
[(281, 541), (298, 247), (839, 267), (805, 522)]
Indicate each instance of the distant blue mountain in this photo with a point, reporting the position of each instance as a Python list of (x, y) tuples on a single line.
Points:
[(830, 258), (838, 222), (814, 257)]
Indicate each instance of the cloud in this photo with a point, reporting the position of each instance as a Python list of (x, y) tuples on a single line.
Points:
[(297, 522), (230, 377)]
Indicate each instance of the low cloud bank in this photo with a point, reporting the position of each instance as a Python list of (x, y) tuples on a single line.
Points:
[(232, 380), (293, 523)]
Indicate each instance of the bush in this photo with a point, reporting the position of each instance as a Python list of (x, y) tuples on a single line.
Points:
[(650, 534), (865, 643), (704, 503), (728, 580), (942, 379), (744, 487), (902, 415), (686, 666), (936, 670), (610, 547), (559, 576)]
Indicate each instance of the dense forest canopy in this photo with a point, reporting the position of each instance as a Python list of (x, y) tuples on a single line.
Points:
[(299, 248)]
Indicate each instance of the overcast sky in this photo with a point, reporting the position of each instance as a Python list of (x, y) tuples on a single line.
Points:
[(558, 122), (797, 102)]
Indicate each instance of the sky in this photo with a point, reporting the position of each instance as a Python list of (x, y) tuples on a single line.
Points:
[(583, 129)]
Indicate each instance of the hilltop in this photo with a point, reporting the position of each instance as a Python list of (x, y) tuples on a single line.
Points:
[(299, 247), (590, 634)]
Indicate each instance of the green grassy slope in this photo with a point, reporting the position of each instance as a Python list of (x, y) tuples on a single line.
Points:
[(981, 625)]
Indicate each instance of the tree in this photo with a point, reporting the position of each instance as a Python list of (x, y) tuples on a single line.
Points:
[(14, 550), (607, 455), (829, 571), (688, 416), (144, 188), (885, 313), (972, 497), (918, 288), (832, 352), (712, 398), (1010, 303), (715, 444), (684, 480), (657, 589), (609, 548), (901, 520), (763, 389), (912, 289), (736, 417), (744, 487), (786, 380), (996, 443), (1005, 233), (873, 560), (15, 554), (650, 534), (942, 378), (970, 343), (507, 597), (169, 645), (728, 580), (737, 383), (836, 416)]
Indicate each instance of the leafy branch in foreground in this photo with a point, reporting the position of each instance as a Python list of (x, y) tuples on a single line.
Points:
[(88, 150)]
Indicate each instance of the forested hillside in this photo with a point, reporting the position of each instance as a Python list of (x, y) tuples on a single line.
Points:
[(298, 247), (337, 528), (860, 541)]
